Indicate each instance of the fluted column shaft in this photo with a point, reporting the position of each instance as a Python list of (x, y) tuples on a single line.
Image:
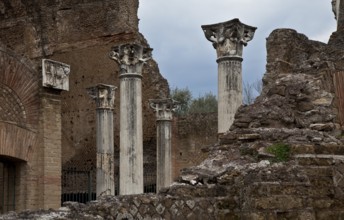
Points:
[(131, 58), (104, 96), (163, 109), (229, 90), (131, 140)]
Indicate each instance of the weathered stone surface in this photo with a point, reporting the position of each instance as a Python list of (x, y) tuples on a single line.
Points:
[(104, 96), (297, 108), (322, 127), (55, 74), (192, 138), (163, 109), (81, 34), (131, 58)]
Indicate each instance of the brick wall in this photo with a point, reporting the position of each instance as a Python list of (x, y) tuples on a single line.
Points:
[(80, 33), (51, 150), (190, 135), (30, 134)]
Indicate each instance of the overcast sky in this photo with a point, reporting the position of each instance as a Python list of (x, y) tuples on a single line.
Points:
[(187, 59)]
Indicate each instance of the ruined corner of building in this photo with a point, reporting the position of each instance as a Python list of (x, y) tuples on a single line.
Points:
[(282, 158)]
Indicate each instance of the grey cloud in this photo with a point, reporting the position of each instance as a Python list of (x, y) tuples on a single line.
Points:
[(186, 58)]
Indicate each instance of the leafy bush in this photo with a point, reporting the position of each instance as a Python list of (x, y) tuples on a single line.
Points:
[(202, 104), (184, 97)]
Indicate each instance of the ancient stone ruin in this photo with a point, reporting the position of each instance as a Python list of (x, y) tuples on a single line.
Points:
[(280, 158)]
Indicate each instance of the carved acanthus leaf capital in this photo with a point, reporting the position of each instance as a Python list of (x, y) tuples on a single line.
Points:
[(104, 95), (229, 37), (55, 74), (131, 57), (163, 108)]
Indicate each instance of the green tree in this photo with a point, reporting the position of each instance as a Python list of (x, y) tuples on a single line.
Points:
[(203, 104), (184, 97)]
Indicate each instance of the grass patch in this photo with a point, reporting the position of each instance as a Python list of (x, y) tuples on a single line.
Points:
[(281, 152)]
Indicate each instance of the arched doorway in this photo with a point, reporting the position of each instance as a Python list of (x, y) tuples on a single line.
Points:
[(19, 114)]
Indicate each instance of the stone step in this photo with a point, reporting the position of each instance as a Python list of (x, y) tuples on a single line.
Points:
[(266, 189), (313, 149), (318, 159), (317, 171)]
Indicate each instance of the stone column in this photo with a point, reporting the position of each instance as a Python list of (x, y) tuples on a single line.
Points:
[(228, 39), (104, 95), (131, 58), (163, 109)]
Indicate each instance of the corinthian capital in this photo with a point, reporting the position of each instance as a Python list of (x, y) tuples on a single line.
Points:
[(131, 57), (104, 95), (163, 108), (229, 37)]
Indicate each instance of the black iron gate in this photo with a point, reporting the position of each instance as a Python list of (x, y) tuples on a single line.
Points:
[(78, 185)]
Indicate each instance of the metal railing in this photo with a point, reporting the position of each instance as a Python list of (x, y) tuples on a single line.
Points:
[(149, 178), (80, 185)]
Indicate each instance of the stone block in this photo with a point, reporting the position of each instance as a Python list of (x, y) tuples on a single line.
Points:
[(322, 203), (227, 138), (318, 171), (226, 215), (248, 137), (253, 216), (327, 215), (302, 149), (322, 127), (280, 202), (321, 181), (314, 161), (295, 215)]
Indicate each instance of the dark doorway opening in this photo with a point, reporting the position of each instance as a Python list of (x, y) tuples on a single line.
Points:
[(7, 186)]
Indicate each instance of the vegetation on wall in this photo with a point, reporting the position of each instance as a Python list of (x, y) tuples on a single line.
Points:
[(281, 152)]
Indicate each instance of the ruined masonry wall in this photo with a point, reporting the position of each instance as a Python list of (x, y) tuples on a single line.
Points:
[(190, 135), (306, 190), (81, 34)]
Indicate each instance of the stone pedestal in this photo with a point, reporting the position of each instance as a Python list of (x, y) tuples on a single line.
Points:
[(163, 109), (131, 58), (104, 95), (228, 39)]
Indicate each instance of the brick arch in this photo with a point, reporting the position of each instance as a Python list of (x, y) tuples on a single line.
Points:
[(12, 109), (19, 106), (22, 80)]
